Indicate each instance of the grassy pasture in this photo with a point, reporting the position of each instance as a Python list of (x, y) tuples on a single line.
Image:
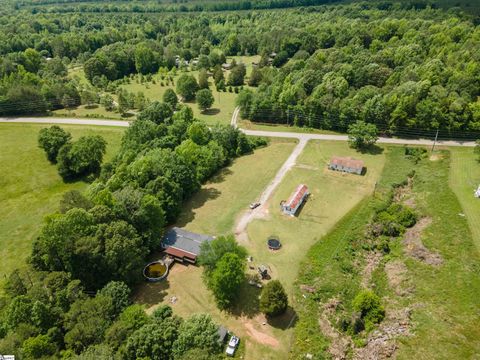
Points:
[(31, 186)]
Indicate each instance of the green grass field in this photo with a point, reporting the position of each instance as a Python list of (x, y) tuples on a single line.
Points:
[(464, 179), (31, 186), (214, 208), (333, 194), (250, 125)]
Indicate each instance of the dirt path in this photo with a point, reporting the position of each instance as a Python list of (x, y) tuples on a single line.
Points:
[(261, 211)]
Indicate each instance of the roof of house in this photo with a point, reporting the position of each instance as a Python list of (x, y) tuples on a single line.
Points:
[(295, 198), (347, 162), (178, 241)]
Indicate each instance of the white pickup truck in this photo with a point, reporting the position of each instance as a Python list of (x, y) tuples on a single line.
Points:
[(232, 345)]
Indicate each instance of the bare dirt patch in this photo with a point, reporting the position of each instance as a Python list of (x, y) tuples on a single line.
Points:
[(414, 246), (260, 336), (382, 343), (396, 275), (339, 344), (436, 157), (372, 261)]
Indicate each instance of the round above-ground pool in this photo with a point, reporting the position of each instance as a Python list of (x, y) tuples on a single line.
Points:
[(156, 271), (274, 243)]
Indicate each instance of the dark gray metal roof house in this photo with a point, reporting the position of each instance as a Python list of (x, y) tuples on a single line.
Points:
[(183, 245)]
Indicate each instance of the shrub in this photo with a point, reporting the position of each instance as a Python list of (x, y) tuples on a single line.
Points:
[(368, 304)]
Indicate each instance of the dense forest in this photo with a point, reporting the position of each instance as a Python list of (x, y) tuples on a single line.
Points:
[(399, 65)]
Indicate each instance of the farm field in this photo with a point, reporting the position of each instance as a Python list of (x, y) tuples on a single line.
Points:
[(464, 179), (31, 186), (271, 341)]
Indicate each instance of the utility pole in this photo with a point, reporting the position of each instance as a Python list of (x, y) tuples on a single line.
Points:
[(435, 141)]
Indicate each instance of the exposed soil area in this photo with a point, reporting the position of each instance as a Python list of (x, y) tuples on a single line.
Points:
[(397, 275), (340, 344), (372, 261), (414, 246), (382, 343)]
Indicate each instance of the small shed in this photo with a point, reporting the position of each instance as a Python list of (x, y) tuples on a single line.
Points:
[(183, 245), (347, 164), (291, 206)]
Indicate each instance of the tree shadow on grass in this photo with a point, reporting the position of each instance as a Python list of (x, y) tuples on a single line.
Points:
[(284, 321), (151, 293), (247, 303), (197, 201), (371, 150), (212, 111), (220, 176)]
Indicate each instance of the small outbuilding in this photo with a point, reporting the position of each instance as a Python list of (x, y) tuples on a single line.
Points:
[(183, 245), (347, 164), (291, 206)]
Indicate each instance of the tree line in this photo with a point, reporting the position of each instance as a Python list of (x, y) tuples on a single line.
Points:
[(73, 297)]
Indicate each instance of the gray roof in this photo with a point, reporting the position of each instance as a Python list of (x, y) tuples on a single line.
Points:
[(222, 333), (184, 240)]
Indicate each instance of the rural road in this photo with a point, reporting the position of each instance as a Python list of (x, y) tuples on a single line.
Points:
[(303, 138), (278, 134)]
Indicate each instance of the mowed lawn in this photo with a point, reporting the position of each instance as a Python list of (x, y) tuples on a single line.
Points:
[(31, 187), (213, 211), (464, 179), (333, 194), (214, 208)]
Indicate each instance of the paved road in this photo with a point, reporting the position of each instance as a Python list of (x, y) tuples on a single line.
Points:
[(292, 135)]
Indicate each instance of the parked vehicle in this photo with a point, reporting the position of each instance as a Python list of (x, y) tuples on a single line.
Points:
[(232, 345), (254, 205)]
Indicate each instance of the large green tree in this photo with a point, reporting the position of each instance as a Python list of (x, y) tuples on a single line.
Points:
[(187, 87), (83, 157), (226, 279), (204, 99), (52, 139), (362, 135)]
